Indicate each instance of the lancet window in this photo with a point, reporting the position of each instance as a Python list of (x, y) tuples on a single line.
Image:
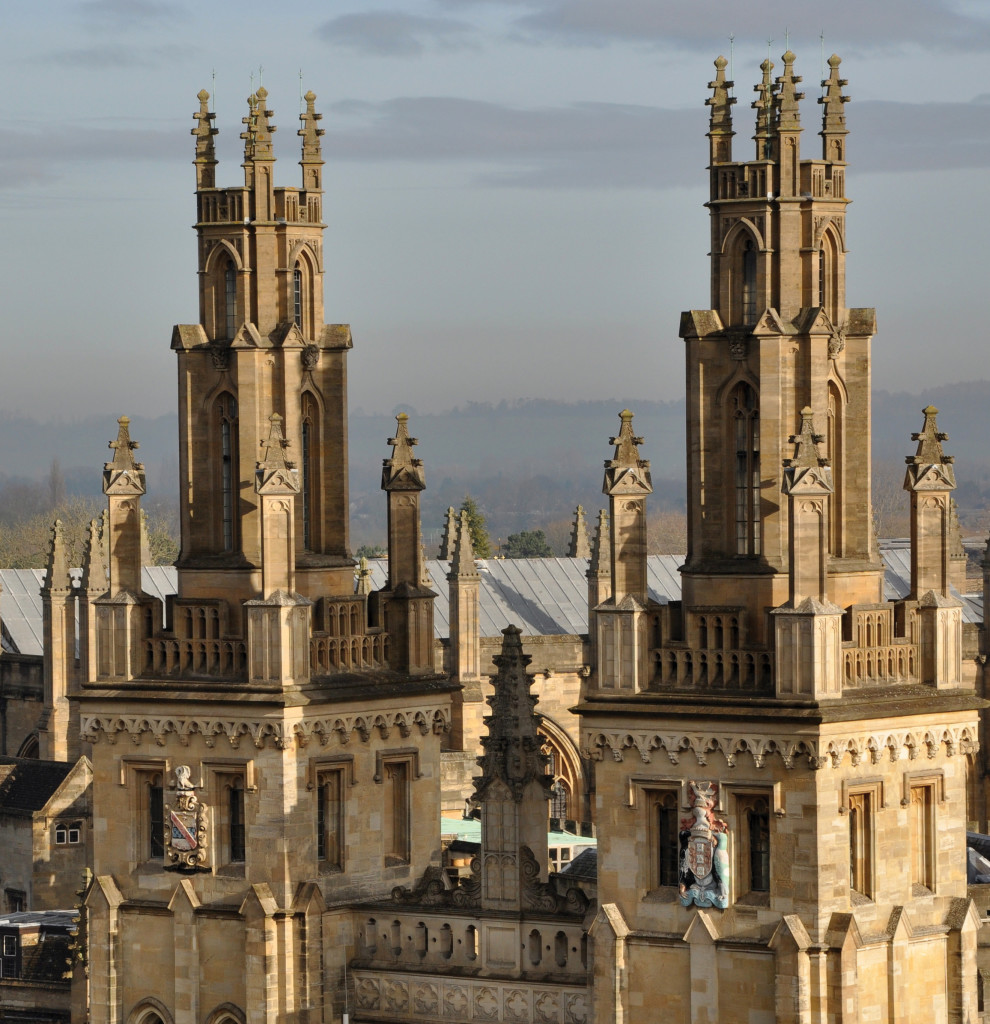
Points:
[(745, 426), (225, 424), (749, 282), (230, 300)]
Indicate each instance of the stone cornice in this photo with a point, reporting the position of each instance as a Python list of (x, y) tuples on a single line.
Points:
[(827, 752), (427, 718)]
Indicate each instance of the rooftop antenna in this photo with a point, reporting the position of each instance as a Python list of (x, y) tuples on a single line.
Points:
[(261, 77), (732, 41), (252, 83), (300, 92), (787, 38), (214, 89), (821, 43), (769, 44)]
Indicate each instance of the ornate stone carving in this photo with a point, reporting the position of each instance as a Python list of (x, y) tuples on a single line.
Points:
[(486, 1004), (367, 994), (738, 347), (704, 863), (426, 719), (220, 355), (186, 832), (310, 357), (897, 744)]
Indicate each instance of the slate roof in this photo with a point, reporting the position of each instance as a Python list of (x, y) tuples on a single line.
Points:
[(542, 596), (27, 784)]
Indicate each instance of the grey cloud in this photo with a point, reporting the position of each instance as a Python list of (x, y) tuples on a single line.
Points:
[(617, 145), (853, 25), (395, 33), (116, 55), (129, 13)]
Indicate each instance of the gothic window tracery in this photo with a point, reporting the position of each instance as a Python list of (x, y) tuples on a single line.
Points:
[(225, 434), (749, 282), (230, 300)]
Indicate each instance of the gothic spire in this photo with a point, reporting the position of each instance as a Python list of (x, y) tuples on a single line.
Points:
[(720, 123), (258, 134), (833, 106), (764, 105), (626, 451), (57, 569), (462, 557), (578, 546), (122, 474), (601, 563), (94, 575), (206, 155), (788, 112), (310, 132), (512, 749), (274, 446), (449, 539)]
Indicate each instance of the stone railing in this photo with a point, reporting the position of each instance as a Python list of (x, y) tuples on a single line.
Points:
[(221, 206), (407, 940), (342, 653), (214, 659), (340, 616), (736, 670), (894, 663)]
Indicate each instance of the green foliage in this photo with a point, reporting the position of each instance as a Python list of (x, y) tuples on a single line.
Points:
[(480, 540), (527, 544), (371, 551)]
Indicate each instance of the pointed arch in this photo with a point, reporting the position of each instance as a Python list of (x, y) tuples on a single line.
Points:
[(741, 374), (223, 299), (744, 273), (30, 747), (150, 1011), (743, 226), (226, 1013), (570, 789), (303, 281), (828, 276)]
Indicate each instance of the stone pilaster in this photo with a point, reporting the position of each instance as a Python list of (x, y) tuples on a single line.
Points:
[(59, 623)]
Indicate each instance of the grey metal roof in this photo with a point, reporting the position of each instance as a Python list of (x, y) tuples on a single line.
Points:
[(542, 596)]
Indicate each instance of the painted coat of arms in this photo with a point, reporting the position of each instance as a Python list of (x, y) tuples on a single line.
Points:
[(185, 826), (704, 853)]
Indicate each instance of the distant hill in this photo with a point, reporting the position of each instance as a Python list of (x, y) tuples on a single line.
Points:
[(529, 462)]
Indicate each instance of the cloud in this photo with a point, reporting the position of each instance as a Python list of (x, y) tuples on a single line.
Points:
[(104, 56), (129, 13), (595, 145), (876, 26), (395, 33)]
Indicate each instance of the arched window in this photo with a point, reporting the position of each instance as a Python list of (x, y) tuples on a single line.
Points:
[(821, 276), (749, 282), (565, 796), (745, 426), (230, 299), (225, 426), (30, 747), (297, 296)]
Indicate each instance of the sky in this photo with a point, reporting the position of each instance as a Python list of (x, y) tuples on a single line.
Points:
[(514, 188)]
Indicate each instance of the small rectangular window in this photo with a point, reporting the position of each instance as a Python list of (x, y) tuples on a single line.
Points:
[(61, 835), (753, 838), (668, 842), (860, 813), (922, 810), (10, 945), (74, 834), (330, 819), (396, 778), (155, 810)]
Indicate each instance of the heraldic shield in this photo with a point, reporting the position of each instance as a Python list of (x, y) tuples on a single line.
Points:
[(704, 859), (185, 826)]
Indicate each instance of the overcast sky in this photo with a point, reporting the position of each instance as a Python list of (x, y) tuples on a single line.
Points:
[(514, 187)]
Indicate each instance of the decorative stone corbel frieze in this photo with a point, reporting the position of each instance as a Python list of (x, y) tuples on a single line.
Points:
[(906, 744), (428, 718)]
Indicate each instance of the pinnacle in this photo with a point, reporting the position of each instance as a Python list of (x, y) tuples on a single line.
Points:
[(275, 446), (806, 452), (929, 440), (720, 101), (626, 450), (402, 443), (462, 557), (600, 555), (310, 131), (123, 448), (57, 575)]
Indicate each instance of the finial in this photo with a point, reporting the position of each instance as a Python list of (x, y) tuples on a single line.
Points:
[(788, 113), (363, 577), (806, 452), (275, 445), (929, 440), (626, 452), (310, 131), (123, 449), (720, 101), (462, 558)]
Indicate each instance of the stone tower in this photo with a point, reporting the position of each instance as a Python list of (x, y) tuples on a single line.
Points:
[(783, 754), (280, 728)]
